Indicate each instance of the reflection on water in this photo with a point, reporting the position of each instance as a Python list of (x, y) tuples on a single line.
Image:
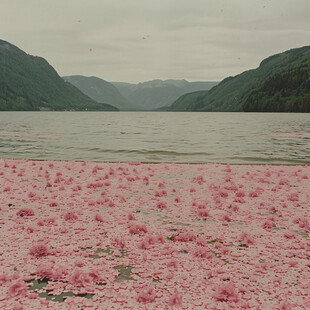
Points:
[(157, 137)]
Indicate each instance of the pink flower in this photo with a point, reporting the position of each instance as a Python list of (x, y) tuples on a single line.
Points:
[(203, 252), (268, 224), (18, 289), (304, 223), (98, 217), (95, 185), (47, 221), (58, 180), (77, 188), (175, 299), (283, 181), (31, 194), (160, 239), (289, 235), (60, 272), (111, 204), (69, 181), (131, 217), (137, 229), (161, 205), (226, 293), (45, 270), (285, 306), (160, 194), (119, 242), (199, 180), (235, 208), (32, 296), (70, 216), (25, 212), (81, 277), (173, 263), (48, 184), (201, 241), (184, 236), (95, 275), (223, 194), (239, 200), (146, 181), (17, 306), (146, 296), (30, 229), (293, 197), (226, 218), (246, 239), (253, 194), (167, 250), (293, 263), (4, 278), (100, 202), (143, 245), (39, 250), (203, 213)]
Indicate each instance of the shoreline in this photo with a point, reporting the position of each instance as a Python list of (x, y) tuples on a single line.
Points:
[(155, 235), (298, 162)]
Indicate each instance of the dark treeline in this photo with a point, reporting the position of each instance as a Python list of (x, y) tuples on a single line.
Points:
[(286, 91)]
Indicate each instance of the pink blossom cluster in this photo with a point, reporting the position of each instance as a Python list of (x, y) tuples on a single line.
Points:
[(153, 236)]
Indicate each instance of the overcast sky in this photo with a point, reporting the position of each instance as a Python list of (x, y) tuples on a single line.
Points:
[(140, 40)]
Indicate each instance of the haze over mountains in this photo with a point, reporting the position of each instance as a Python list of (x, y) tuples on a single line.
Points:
[(154, 94), (30, 83), (101, 91), (149, 95)]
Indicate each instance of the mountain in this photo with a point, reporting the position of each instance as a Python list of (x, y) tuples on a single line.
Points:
[(155, 94), (280, 84), (124, 88), (101, 91), (30, 83)]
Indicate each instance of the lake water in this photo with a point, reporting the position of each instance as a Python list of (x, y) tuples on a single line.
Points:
[(245, 138)]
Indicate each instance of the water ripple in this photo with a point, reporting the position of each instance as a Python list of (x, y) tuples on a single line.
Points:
[(266, 138)]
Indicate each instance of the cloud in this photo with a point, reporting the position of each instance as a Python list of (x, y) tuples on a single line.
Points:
[(199, 39)]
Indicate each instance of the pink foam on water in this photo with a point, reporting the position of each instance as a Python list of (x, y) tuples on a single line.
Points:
[(154, 236)]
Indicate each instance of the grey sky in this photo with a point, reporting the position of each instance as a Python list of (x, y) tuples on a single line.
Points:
[(140, 40)]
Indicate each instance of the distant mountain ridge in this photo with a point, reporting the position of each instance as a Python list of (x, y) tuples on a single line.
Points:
[(101, 91), (30, 83), (151, 95), (280, 84)]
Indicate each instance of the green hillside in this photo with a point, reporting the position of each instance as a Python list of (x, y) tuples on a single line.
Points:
[(101, 91), (155, 94), (29, 83), (279, 84)]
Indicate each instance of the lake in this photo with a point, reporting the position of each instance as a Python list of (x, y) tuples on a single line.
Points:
[(243, 138)]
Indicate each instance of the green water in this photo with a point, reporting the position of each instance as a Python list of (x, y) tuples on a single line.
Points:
[(245, 138)]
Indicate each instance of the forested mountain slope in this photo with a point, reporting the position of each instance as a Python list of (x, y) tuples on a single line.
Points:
[(280, 84), (30, 83)]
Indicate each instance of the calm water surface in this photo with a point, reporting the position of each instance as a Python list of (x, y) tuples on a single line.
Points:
[(246, 138)]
